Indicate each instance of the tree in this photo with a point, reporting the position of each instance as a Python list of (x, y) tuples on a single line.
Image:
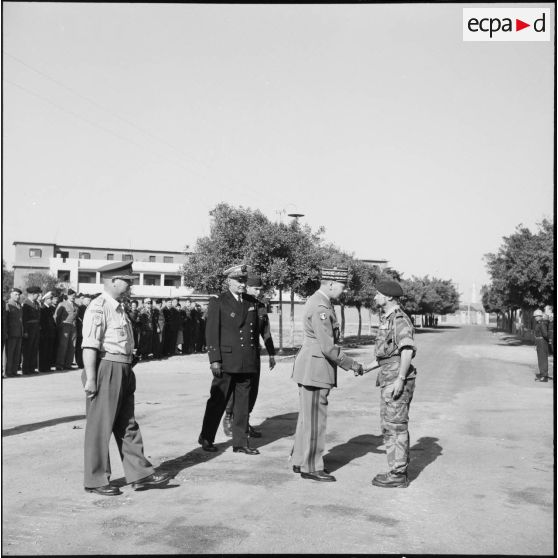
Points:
[(522, 271), (45, 281), (7, 281)]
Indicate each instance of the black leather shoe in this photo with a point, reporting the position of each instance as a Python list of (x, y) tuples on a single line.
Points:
[(318, 476), (296, 469), (155, 480), (106, 490), (245, 449), (227, 425), (391, 480), (544, 379), (253, 433), (206, 445)]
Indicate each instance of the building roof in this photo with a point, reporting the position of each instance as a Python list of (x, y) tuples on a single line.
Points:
[(57, 245)]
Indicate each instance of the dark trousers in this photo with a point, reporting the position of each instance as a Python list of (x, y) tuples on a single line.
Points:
[(78, 350), (13, 355), (157, 344), (254, 386), (30, 349), (47, 350), (66, 346), (112, 411), (221, 390), (542, 356)]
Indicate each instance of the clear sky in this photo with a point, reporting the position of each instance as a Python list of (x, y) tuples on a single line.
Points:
[(123, 125)]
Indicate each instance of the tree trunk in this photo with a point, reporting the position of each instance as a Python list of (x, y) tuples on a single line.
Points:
[(342, 333), (292, 320), (280, 321), (359, 324)]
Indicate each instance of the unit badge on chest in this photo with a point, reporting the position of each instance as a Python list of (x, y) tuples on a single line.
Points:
[(323, 316), (233, 314)]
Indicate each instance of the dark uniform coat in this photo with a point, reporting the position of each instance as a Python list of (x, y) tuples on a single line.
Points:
[(47, 342), (13, 332), (30, 315), (232, 332)]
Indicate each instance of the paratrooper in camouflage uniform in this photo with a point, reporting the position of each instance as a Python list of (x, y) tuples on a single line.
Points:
[(395, 348)]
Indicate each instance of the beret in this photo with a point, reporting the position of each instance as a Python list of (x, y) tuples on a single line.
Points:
[(389, 287), (538, 312), (341, 274), (33, 290), (254, 280), (236, 272)]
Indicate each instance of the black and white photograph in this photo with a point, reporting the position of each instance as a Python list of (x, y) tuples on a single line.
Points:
[(278, 278)]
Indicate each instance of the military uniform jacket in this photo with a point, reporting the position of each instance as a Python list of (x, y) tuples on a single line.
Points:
[(145, 320), (13, 324), (47, 319), (66, 312), (395, 332), (541, 330), (316, 362), (30, 315), (264, 325), (232, 332)]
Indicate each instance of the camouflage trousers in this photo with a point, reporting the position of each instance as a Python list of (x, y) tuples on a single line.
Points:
[(394, 415)]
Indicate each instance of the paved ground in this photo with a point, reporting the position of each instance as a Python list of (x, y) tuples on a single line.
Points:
[(482, 464)]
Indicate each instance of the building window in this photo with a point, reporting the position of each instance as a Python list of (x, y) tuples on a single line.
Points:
[(152, 259), (87, 277), (35, 253), (172, 281), (84, 256), (63, 276), (168, 259), (151, 280), (127, 257), (110, 256)]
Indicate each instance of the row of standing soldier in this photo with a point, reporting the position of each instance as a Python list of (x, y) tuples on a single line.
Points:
[(44, 331)]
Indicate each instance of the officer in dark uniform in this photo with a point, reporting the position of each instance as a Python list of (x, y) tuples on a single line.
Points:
[(254, 287), (167, 332), (395, 348), (30, 315), (232, 333), (12, 331), (158, 327), (110, 383), (47, 341)]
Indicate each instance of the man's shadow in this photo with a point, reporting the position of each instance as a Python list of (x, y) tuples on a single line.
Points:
[(423, 452), (273, 428)]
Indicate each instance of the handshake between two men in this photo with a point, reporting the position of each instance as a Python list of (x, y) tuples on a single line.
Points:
[(361, 369)]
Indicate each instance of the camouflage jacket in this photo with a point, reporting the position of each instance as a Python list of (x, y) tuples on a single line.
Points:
[(395, 332)]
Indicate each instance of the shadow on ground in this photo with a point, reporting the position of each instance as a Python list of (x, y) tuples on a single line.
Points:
[(38, 425), (356, 447), (424, 452), (273, 428)]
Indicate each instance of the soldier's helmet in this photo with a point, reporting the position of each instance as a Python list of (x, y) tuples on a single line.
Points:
[(538, 312)]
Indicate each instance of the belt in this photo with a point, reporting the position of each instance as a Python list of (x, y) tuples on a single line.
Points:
[(32, 322), (115, 357), (388, 360)]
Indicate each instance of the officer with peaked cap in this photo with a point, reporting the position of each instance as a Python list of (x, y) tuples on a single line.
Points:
[(395, 348), (12, 330), (30, 316), (254, 287), (232, 335), (109, 383), (315, 372)]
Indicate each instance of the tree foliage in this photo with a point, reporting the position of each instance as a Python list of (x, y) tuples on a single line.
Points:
[(7, 280), (429, 295), (44, 281), (522, 271)]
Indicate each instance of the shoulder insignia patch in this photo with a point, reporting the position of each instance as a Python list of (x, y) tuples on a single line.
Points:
[(97, 319), (323, 316)]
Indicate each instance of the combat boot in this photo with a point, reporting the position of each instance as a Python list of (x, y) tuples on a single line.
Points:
[(227, 425), (391, 480)]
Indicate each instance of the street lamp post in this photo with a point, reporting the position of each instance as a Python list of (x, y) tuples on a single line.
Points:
[(296, 217)]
